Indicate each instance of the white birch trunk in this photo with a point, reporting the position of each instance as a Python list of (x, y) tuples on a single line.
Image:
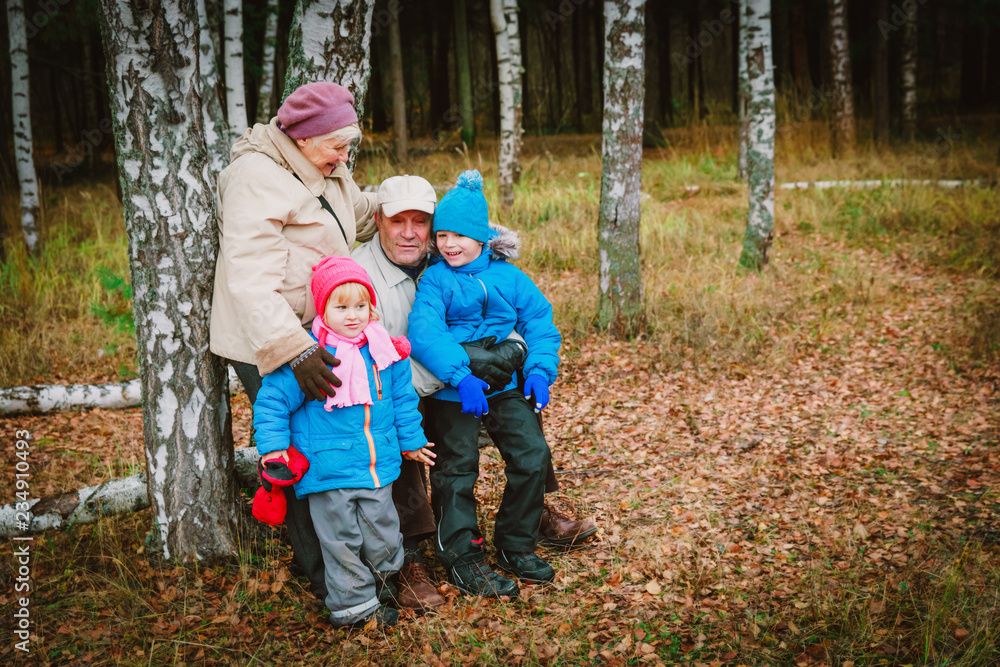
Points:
[(619, 304), (157, 105), (217, 135), (843, 95), (39, 399), (236, 92), (760, 148), (30, 205), (504, 16), (742, 131), (265, 101), (330, 40), (909, 75), (116, 496)]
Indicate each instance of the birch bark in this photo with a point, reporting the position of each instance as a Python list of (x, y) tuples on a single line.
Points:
[(217, 136), (760, 148), (504, 16), (23, 155), (330, 40), (743, 131), (843, 94), (157, 94), (236, 94), (909, 74), (619, 303), (265, 96)]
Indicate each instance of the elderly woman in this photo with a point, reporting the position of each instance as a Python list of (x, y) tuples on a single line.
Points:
[(286, 200)]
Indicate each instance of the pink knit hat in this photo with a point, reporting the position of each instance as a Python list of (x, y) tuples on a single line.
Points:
[(316, 109), (331, 273)]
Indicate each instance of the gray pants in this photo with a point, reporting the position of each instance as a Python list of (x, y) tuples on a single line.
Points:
[(358, 530)]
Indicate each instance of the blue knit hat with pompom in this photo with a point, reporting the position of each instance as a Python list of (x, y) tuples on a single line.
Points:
[(463, 209)]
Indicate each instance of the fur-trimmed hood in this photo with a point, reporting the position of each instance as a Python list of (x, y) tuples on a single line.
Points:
[(505, 244)]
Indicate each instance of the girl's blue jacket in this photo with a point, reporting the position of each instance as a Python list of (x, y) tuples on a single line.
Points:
[(357, 447)]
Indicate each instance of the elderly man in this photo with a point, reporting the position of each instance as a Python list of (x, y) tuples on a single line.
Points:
[(394, 260)]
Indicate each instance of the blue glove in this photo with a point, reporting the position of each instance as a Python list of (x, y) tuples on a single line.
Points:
[(470, 390), (539, 386)]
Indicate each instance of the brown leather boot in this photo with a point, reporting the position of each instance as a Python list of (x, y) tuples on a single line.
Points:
[(416, 589), (557, 529)]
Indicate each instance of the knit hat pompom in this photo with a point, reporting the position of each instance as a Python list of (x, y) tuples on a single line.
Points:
[(470, 180), (463, 209)]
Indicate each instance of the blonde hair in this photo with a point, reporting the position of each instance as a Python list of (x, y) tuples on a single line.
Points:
[(345, 293)]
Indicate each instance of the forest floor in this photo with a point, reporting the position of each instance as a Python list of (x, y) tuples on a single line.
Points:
[(799, 467)]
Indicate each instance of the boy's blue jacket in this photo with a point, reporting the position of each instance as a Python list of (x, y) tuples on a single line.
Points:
[(487, 297), (357, 447)]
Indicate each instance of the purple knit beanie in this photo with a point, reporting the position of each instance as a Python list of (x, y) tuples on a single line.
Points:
[(316, 109)]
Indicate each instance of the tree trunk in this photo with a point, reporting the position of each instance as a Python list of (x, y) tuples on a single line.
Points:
[(800, 49), (236, 92), (619, 303), (760, 151), (504, 16), (909, 75), (217, 135), (153, 53), (692, 71), (330, 40), (116, 496), (465, 110), (31, 211), (92, 114), (880, 80), (37, 399), (398, 88), (843, 95), (743, 128), (265, 96)]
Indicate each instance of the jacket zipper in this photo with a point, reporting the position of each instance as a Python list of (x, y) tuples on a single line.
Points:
[(371, 446), (486, 297), (378, 381)]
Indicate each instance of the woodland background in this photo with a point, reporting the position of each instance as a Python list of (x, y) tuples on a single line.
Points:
[(796, 467)]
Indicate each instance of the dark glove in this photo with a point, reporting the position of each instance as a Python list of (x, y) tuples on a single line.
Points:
[(513, 351), (269, 504), (487, 365), (312, 372)]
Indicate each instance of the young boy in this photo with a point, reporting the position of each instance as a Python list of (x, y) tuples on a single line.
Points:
[(474, 292), (352, 441)]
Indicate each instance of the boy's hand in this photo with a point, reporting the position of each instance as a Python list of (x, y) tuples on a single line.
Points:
[(276, 455), (423, 455), (314, 375), (539, 386), (470, 391)]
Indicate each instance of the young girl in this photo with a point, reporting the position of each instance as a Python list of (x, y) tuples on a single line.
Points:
[(352, 441)]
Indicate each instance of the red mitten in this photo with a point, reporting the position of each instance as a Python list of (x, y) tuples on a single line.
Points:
[(270, 506)]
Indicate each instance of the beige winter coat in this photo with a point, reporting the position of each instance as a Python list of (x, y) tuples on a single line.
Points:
[(272, 231)]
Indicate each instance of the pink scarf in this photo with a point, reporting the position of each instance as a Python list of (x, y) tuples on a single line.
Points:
[(354, 388)]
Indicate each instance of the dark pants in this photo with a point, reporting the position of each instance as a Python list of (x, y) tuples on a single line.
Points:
[(409, 495), (514, 428)]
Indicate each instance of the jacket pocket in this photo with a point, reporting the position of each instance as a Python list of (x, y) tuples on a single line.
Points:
[(331, 458)]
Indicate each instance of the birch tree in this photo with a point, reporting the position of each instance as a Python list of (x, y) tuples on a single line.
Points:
[(30, 205), (236, 94), (157, 95), (330, 40), (619, 302), (217, 135), (465, 110), (504, 16), (265, 101), (398, 87), (909, 74), (760, 148), (843, 95), (743, 95)]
